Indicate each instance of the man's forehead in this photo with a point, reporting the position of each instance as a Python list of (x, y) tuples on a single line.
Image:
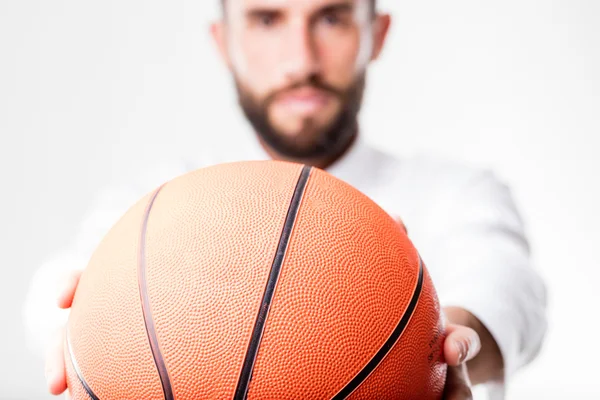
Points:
[(306, 5)]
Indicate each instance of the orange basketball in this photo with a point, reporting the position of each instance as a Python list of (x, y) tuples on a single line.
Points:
[(257, 280)]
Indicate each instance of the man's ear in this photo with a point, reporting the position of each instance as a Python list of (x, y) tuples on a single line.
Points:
[(218, 31), (381, 28)]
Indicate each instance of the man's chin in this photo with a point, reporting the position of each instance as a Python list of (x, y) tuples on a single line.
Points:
[(293, 145), (290, 121), (300, 143), (297, 131)]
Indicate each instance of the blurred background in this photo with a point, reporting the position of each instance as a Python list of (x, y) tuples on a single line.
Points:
[(513, 85)]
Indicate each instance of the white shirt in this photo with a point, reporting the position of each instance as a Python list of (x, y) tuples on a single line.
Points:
[(462, 221)]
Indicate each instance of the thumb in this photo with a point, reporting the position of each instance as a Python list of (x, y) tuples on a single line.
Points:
[(69, 286), (55, 364), (461, 345)]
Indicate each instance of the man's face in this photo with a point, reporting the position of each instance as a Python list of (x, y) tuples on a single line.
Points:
[(299, 68)]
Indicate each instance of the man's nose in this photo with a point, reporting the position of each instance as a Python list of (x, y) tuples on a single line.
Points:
[(300, 58)]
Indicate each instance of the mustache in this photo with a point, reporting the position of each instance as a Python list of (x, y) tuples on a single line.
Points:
[(313, 83)]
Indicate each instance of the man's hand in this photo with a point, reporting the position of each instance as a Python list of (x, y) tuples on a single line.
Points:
[(471, 353), (462, 344), (55, 359)]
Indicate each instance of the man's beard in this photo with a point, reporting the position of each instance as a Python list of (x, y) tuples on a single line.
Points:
[(330, 140)]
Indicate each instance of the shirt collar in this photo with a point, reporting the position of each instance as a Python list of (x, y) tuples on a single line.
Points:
[(351, 167)]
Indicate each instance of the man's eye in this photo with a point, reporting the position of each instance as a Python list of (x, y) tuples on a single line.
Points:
[(331, 19), (266, 20), (337, 18)]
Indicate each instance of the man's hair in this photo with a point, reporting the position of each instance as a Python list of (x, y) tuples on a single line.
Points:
[(373, 5)]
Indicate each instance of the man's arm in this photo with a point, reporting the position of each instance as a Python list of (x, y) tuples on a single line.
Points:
[(42, 316), (485, 279)]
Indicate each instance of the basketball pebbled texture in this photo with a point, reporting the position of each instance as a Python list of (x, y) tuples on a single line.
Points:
[(207, 241)]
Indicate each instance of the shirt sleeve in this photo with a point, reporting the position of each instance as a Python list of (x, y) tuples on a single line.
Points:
[(484, 265), (41, 315)]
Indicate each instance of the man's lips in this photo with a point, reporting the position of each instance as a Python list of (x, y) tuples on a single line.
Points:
[(304, 101)]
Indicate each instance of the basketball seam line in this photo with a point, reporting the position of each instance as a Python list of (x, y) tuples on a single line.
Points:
[(388, 345), (146, 309), (247, 369), (147, 318), (87, 388)]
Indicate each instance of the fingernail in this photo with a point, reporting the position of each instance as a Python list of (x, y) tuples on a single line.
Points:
[(474, 345), (462, 351)]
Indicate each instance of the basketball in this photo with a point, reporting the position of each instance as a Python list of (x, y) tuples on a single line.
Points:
[(255, 280)]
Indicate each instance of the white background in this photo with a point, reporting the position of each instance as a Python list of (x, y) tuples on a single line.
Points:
[(89, 88)]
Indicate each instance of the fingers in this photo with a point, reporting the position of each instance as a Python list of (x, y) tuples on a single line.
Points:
[(55, 365), (56, 378), (67, 292), (399, 222), (457, 384), (461, 344)]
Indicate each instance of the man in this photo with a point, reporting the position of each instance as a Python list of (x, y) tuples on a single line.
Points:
[(300, 71)]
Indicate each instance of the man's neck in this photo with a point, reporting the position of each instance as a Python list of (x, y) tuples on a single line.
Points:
[(319, 162)]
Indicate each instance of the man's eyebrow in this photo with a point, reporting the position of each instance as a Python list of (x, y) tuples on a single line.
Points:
[(262, 10), (341, 6)]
